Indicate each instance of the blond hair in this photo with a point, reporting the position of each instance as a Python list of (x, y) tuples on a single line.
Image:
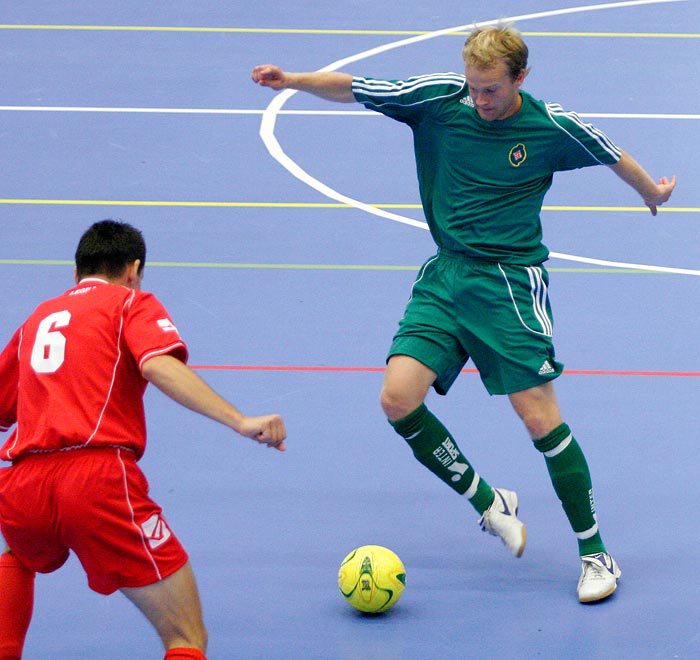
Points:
[(487, 46)]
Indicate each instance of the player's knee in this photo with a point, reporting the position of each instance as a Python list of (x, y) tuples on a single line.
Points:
[(539, 424), (538, 410), (389, 405), (396, 404)]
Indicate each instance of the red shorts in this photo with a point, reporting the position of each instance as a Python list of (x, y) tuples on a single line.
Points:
[(94, 502)]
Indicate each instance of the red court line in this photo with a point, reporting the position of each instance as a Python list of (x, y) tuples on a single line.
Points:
[(574, 372)]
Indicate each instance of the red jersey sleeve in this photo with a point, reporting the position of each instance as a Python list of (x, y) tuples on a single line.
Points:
[(149, 330)]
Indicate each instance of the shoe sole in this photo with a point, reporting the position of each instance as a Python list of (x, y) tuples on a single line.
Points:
[(523, 542), (595, 599)]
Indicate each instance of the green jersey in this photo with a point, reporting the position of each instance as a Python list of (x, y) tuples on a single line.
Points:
[(482, 183)]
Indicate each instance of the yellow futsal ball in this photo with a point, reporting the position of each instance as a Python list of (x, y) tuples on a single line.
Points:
[(372, 578)]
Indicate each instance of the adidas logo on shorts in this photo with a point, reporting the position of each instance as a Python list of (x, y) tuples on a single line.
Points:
[(546, 368)]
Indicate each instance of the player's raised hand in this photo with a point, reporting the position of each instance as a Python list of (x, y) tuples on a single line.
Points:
[(268, 75), (268, 430)]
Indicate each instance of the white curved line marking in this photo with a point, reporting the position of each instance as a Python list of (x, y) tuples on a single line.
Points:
[(620, 264), (269, 117)]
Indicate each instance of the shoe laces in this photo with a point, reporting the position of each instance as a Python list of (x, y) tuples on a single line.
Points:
[(595, 567), (498, 506)]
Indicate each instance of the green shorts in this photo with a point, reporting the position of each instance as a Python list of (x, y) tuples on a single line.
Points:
[(496, 314)]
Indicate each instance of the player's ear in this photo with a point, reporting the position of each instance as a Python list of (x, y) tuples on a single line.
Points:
[(134, 274), (75, 274)]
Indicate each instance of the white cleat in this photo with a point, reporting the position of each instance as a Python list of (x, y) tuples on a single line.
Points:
[(501, 519), (599, 576)]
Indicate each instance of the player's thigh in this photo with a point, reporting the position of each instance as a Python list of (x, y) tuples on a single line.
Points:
[(173, 607), (117, 531), (428, 333)]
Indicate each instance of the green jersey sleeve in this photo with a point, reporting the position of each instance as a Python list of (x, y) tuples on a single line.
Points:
[(585, 146), (406, 100)]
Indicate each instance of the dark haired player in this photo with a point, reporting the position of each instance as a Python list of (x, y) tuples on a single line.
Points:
[(72, 379)]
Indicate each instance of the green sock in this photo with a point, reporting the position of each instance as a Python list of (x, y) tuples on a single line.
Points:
[(571, 479), (435, 448)]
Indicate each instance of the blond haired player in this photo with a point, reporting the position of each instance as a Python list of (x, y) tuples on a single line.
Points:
[(486, 152)]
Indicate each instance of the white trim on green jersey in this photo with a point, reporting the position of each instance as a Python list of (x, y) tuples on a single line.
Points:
[(558, 115), (390, 89), (482, 184)]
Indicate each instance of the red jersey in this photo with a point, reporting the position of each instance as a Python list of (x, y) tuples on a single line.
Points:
[(71, 375)]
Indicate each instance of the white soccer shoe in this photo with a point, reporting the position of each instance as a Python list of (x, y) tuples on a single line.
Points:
[(599, 576), (501, 519)]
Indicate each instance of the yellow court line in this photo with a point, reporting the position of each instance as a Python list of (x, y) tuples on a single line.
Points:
[(662, 209), (615, 35), (155, 28), (310, 205), (263, 266)]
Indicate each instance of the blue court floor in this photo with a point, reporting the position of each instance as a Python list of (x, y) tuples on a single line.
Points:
[(284, 233)]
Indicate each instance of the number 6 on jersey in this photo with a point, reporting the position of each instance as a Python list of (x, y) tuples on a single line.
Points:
[(49, 349)]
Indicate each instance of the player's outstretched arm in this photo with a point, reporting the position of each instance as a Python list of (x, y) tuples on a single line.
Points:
[(329, 85), (184, 386), (654, 194)]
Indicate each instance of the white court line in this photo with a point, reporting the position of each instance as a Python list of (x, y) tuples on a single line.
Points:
[(619, 264), (239, 111), (177, 111), (267, 125)]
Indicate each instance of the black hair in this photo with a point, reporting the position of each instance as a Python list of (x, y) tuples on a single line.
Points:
[(108, 247)]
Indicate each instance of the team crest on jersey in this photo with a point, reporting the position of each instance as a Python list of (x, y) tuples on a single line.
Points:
[(517, 155)]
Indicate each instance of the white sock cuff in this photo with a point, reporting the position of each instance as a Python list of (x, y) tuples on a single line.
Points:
[(471, 491), (587, 534), (560, 447)]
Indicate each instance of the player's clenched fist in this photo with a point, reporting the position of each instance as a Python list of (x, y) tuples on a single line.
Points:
[(268, 430), (268, 75)]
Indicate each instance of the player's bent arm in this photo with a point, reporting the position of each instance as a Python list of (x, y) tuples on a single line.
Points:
[(180, 383), (631, 172), (329, 85)]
